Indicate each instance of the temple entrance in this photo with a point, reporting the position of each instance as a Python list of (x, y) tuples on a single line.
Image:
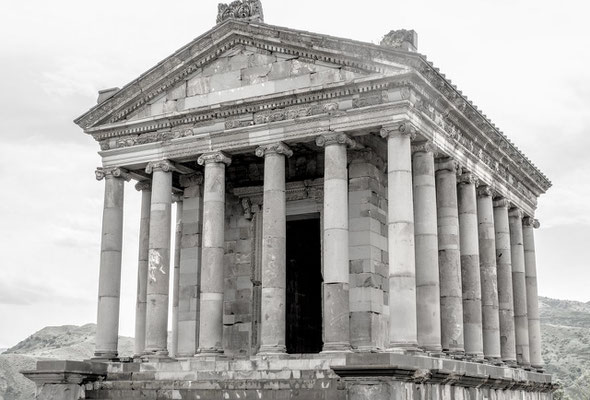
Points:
[(304, 285)]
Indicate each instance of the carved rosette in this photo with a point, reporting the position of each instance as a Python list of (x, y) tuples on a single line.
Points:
[(162, 165), (191, 180), (501, 202), (402, 129), (274, 148), (530, 221), (515, 212), (215, 157), (467, 178), (484, 191), (423, 147), (448, 164), (335, 138), (143, 185), (241, 9), (111, 172)]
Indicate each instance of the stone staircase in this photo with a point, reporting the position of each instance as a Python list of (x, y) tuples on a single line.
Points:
[(260, 378)]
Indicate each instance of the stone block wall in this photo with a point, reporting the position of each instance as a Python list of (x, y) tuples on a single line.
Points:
[(368, 251)]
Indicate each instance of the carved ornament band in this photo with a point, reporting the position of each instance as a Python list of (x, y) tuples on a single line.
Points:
[(501, 202), (402, 129), (515, 212), (423, 147), (162, 165), (467, 178), (484, 191), (215, 157), (111, 172), (274, 148), (191, 180), (143, 185), (530, 221), (335, 138)]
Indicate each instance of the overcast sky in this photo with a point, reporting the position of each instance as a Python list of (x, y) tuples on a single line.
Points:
[(524, 63)]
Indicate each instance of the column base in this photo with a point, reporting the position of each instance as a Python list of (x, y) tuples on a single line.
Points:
[(475, 357), (539, 368), (495, 361), (211, 352), (271, 350), (455, 354), (105, 356), (404, 348), (336, 347), (510, 363)]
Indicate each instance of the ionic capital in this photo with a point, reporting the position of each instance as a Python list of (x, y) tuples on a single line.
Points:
[(177, 198), (501, 202), (274, 148), (467, 178), (329, 139), (191, 180), (215, 157), (423, 147), (484, 191), (515, 212), (111, 172), (403, 129), (447, 164), (160, 165), (531, 222), (143, 185)]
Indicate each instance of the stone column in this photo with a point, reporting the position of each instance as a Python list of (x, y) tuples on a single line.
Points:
[(468, 237), (532, 298), (274, 247), (449, 257), (156, 335), (504, 266), (211, 326), (336, 300), (190, 265), (109, 281), (176, 284), (489, 276), (403, 334), (426, 237), (521, 322), (142, 265)]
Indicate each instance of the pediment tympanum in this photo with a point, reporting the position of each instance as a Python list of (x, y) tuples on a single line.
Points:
[(244, 73)]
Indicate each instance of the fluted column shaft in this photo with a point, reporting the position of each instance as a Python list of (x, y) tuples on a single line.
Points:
[(158, 286), (142, 266), (426, 237), (532, 297), (521, 322), (109, 281), (504, 270), (489, 276), (274, 249), (470, 275), (400, 221), (335, 245), (211, 323), (176, 284), (449, 257)]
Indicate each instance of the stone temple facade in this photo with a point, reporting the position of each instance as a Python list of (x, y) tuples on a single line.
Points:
[(348, 226)]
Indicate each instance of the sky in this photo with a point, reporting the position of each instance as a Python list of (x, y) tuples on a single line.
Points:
[(523, 62)]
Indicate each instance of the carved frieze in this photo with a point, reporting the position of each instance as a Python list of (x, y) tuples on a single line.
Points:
[(301, 190), (240, 9)]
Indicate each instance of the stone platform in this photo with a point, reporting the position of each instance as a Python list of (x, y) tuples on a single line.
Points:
[(352, 376)]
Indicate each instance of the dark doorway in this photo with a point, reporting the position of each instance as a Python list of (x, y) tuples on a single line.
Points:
[(304, 285)]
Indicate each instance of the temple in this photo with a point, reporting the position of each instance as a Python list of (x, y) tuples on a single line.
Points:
[(348, 226)]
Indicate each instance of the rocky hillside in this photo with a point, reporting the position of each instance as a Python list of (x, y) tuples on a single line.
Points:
[(62, 342), (565, 329)]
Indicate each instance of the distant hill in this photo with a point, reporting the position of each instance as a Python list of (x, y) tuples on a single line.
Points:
[(565, 327), (60, 342)]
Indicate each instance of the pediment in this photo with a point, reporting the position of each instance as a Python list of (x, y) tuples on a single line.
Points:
[(237, 62)]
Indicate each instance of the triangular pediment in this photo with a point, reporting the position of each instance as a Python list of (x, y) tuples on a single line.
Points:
[(237, 62)]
